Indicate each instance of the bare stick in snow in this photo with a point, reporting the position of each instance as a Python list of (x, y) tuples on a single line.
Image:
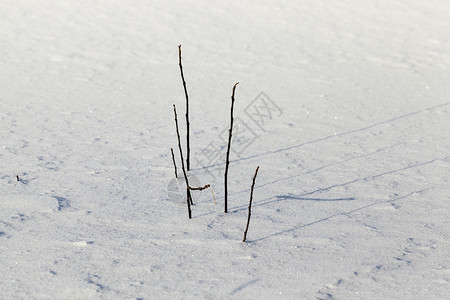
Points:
[(174, 164), (250, 205), (17, 177), (214, 197), (228, 149), (188, 191), (187, 110), (199, 188)]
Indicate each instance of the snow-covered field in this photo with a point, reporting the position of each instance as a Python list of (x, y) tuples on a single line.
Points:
[(353, 194)]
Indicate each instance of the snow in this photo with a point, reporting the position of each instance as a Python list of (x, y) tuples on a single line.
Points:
[(352, 196)]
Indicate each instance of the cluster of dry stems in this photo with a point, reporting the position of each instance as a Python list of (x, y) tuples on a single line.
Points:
[(227, 162)]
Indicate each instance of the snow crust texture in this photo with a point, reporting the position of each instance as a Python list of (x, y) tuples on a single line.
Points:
[(344, 105)]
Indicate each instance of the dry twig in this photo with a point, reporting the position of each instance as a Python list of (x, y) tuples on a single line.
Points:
[(199, 188), (188, 191), (250, 205), (188, 150), (228, 149), (174, 164)]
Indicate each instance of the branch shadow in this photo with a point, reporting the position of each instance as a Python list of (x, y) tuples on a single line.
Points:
[(280, 198), (346, 213), (291, 197), (325, 166), (346, 132), (26, 181), (304, 197), (330, 136), (377, 175), (246, 190)]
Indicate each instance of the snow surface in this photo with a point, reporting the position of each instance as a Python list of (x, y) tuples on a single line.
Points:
[(352, 197)]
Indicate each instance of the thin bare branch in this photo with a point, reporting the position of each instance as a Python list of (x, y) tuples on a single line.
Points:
[(174, 164), (250, 205), (188, 150), (228, 149), (188, 191), (199, 188)]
